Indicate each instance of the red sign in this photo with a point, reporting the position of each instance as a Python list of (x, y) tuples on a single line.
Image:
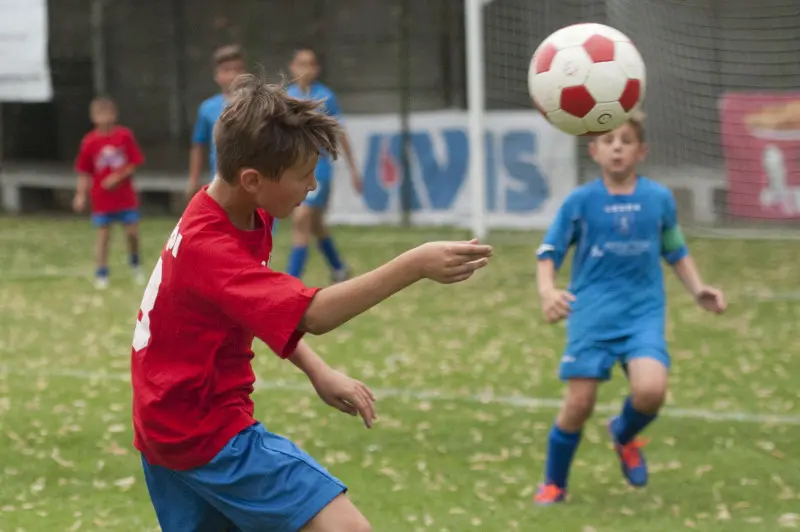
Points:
[(761, 143)]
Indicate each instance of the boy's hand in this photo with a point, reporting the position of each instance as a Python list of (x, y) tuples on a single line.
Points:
[(110, 181), (711, 299), (556, 305), (79, 203), (450, 262), (348, 395)]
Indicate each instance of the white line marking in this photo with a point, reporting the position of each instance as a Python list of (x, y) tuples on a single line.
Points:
[(514, 401)]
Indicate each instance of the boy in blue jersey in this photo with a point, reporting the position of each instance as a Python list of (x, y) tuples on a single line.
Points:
[(621, 226), (228, 65), (308, 220)]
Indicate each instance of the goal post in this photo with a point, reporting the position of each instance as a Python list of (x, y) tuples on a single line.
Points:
[(476, 111)]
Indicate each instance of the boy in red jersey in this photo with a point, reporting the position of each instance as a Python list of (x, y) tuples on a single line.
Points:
[(108, 157), (208, 464)]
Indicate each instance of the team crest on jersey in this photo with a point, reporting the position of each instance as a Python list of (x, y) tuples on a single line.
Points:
[(111, 157), (624, 222)]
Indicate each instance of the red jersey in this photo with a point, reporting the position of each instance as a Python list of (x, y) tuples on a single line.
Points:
[(210, 294), (102, 154)]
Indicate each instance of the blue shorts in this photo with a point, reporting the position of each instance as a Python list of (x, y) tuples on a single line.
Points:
[(259, 481), (318, 199), (104, 219), (587, 359)]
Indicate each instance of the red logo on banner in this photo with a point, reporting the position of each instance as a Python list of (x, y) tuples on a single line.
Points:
[(761, 143)]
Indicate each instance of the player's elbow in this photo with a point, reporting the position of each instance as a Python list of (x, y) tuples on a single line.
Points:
[(316, 323)]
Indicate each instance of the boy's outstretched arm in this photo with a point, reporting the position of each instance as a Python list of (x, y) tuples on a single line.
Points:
[(676, 253), (560, 236), (555, 302), (81, 191), (706, 296), (334, 388), (443, 262)]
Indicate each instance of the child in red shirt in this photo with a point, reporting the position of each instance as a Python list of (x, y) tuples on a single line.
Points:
[(208, 463), (108, 157)]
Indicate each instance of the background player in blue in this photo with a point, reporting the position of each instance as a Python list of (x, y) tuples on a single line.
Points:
[(228, 63), (308, 220), (620, 225)]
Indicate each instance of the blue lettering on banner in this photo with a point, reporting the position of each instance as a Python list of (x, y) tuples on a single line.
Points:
[(439, 167)]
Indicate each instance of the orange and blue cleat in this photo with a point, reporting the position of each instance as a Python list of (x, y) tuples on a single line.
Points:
[(548, 494), (631, 458)]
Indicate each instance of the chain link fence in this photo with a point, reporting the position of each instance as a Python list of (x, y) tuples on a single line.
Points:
[(403, 56)]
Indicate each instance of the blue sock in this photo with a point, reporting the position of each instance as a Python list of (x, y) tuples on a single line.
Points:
[(630, 423), (101, 272), (328, 249), (134, 260), (297, 261), (561, 448)]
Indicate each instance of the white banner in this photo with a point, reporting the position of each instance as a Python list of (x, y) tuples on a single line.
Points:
[(531, 168), (24, 65)]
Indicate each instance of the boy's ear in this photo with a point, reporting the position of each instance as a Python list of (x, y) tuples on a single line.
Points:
[(593, 146), (644, 149), (249, 179)]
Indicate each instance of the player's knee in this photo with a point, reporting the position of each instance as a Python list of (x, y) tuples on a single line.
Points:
[(575, 413), (318, 228), (301, 225), (648, 400), (359, 524), (103, 235), (578, 407), (340, 515)]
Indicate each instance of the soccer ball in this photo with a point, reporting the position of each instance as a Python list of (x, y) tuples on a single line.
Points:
[(587, 79)]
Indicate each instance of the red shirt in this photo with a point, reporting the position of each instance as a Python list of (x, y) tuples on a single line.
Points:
[(102, 154), (210, 294)]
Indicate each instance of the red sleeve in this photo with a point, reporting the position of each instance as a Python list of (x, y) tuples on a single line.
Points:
[(135, 156), (84, 163), (269, 303), (266, 302)]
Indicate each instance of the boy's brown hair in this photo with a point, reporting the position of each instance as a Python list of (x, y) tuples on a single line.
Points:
[(265, 129), (637, 123), (224, 54)]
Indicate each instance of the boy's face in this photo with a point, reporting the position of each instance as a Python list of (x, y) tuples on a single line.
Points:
[(228, 71), (103, 114), (304, 67), (280, 197), (618, 152)]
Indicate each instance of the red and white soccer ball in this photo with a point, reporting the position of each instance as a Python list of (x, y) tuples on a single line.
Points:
[(587, 79)]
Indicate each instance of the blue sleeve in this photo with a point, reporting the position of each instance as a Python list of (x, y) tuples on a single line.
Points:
[(673, 244), (332, 105), (561, 234), (202, 131)]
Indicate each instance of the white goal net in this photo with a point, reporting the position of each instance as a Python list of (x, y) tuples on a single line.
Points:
[(723, 99)]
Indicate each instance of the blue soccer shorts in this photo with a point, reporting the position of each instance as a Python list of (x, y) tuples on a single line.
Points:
[(259, 481), (588, 359), (318, 198), (126, 217)]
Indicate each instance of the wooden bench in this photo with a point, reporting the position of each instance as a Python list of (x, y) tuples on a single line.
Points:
[(12, 182)]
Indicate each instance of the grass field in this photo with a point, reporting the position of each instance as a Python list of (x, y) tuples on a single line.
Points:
[(466, 380)]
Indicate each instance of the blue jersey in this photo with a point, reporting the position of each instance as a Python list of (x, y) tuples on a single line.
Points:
[(207, 115), (317, 91), (619, 241)]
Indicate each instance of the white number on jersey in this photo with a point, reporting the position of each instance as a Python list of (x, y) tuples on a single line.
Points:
[(141, 334)]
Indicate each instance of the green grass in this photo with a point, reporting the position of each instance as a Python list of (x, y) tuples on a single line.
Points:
[(446, 463)]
